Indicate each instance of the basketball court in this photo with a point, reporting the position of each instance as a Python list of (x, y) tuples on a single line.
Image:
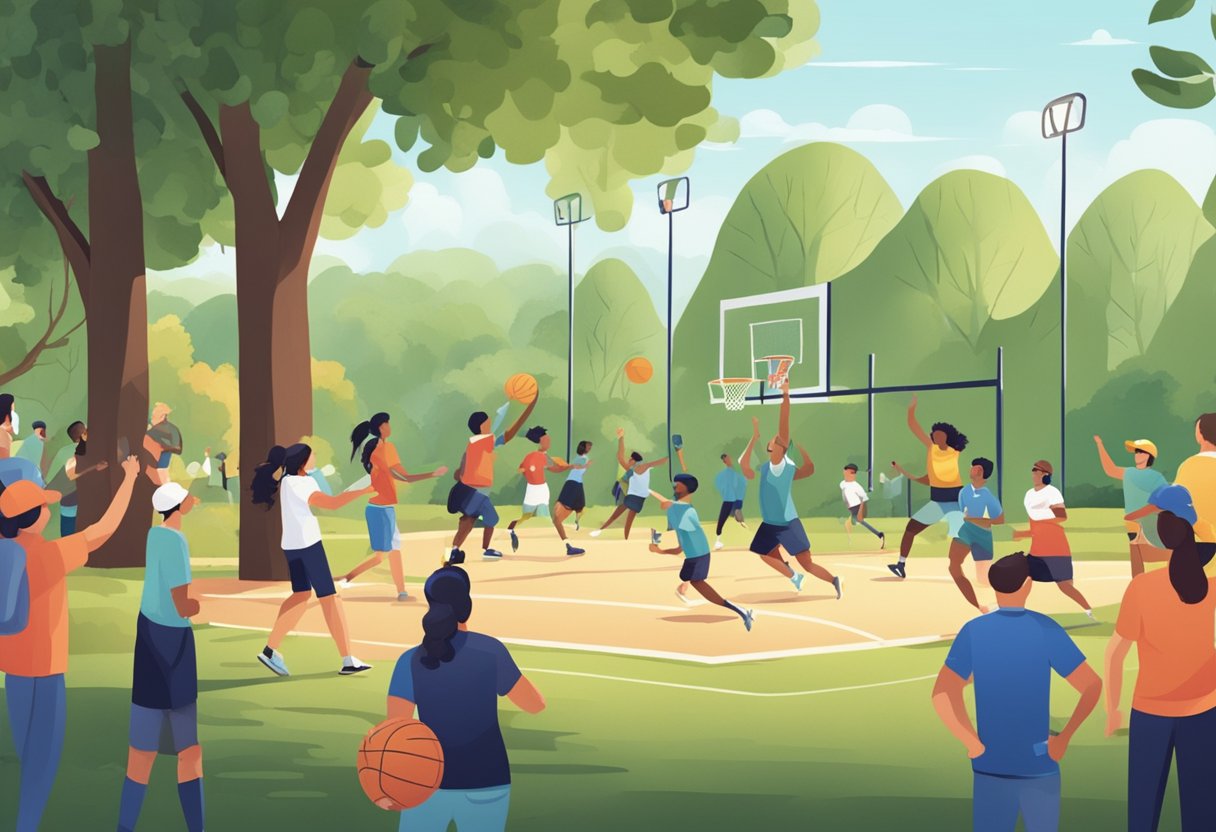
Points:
[(620, 598)]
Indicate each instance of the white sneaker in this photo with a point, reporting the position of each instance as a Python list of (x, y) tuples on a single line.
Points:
[(683, 597), (718, 544), (355, 666), (597, 533)]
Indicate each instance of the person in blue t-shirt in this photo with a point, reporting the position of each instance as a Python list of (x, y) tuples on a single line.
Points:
[(732, 486), (1010, 655), (454, 678), (164, 689), (692, 543), (780, 527), (981, 511)]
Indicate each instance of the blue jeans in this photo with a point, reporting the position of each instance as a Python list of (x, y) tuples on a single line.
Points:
[(37, 713), (998, 801), (472, 810), (1153, 741)]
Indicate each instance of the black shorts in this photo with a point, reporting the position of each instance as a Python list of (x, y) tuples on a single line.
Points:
[(309, 570), (165, 671), (695, 569), (1206, 552), (634, 503), (1050, 570), (1132, 535), (458, 496), (572, 495), (791, 537)]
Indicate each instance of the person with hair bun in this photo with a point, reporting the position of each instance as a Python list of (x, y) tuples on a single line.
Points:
[(454, 679), (285, 474), (1050, 556)]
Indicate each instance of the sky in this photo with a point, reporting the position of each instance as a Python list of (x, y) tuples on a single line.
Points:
[(918, 88)]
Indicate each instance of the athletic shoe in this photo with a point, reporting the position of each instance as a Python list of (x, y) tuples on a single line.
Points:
[(345, 583), (597, 532), (456, 557), (897, 569), (798, 579), (514, 540), (1090, 614), (274, 663), (744, 525), (882, 541), (836, 582), (748, 617), (683, 596), (574, 551), (354, 667), (718, 544), (403, 596), (491, 554), (576, 522), (656, 537)]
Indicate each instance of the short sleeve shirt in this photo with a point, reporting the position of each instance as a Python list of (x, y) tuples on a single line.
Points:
[(384, 458), (684, 519), (978, 502), (479, 461), (533, 467), (577, 474), (300, 527), (166, 567), (41, 649), (854, 493), (1038, 503)]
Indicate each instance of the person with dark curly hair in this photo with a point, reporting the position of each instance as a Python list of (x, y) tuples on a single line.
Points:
[(536, 490), (945, 444)]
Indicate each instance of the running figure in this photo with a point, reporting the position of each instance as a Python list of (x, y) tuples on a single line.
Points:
[(944, 444), (692, 543), (732, 486), (855, 499), (780, 526), (1139, 480), (381, 461), (286, 473), (981, 511), (638, 486), (1050, 558), (536, 493), (573, 498)]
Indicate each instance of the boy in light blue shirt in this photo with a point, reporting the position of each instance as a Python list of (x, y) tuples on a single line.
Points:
[(732, 486), (981, 511)]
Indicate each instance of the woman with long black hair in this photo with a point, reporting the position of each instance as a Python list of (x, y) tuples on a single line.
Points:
[(454, 679), (381, 461), (285, 474), (1170, 615)]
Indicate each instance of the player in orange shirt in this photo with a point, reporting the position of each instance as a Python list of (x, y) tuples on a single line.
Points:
[(383, 464), (536, 493)]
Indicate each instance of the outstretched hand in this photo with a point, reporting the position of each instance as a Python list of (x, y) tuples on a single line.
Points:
[(620, 433), (130, 466), (441, 470), (912, 404)]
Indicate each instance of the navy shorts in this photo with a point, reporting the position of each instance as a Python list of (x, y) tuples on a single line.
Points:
[(164, 730), (1050, 570), (1206, 552), (738, 505), (573, 496), (634, 503), (695, 569), (309, 570), (165, 669), (791, 537), (469, 502)]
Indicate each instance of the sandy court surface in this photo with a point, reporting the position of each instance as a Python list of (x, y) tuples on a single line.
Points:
[(620, 598)]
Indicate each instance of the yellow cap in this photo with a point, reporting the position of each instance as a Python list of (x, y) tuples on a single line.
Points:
[(1145, 445)]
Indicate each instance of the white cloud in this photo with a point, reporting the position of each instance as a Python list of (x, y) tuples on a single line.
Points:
[(872, 64), (1023, 128), (978, 69), (432, 218), (1101, 37), (873, 123), (1183, 148), (987, 164)]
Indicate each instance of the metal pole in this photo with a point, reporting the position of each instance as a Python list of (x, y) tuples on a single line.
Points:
[(1063, 312), (870, 427), (670, 243), (570, 344), (1000, 422)]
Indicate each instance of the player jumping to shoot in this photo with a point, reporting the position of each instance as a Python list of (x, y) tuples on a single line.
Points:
[(638, 487)]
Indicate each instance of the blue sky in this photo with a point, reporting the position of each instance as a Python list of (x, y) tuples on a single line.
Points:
[(919, 88)]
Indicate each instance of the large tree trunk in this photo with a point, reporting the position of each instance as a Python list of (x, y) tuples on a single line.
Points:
[(116, 308)]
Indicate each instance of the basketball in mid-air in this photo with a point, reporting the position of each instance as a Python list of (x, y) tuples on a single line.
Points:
[(638, 370), (400, 760), (521, 387)]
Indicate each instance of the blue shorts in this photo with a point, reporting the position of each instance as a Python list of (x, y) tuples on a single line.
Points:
[(1050, 570), (931, 513), (475, 810), (163, 460), (791, 537), (382, 527), (634, 503), (695, 569), (165, 730), (738, 505), (309, 570), (165, 668), (978, 539), (469, 502)]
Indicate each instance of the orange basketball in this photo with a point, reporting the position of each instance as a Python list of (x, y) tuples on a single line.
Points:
[(521, 387), (638, 370), (401, 760)]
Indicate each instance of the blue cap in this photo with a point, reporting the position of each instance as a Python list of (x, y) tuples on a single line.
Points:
[(1176, 500)]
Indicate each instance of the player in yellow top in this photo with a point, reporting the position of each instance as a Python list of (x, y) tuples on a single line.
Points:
[(944, 444), (1198, 475)]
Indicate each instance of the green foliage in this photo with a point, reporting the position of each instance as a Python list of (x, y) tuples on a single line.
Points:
[(1183, 95), (1179, 64), (1194, 85), (1169, 10)]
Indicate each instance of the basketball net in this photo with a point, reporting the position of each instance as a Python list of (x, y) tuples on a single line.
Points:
[(734, 391), (778, 369)]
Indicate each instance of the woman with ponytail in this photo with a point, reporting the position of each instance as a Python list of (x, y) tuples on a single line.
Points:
[(454, 678), (285, 476), (381, 461), (1170, 615)]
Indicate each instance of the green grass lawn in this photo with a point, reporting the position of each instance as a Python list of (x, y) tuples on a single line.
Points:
[(606, 755)]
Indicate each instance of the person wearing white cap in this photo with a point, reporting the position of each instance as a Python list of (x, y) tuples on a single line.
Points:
[(164, 686), (1139, 482)]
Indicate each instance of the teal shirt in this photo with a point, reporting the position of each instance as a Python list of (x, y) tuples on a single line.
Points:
[(31, 449), (731, 484), (777, 494), (687, 524), (167, 566), (1138, 486)]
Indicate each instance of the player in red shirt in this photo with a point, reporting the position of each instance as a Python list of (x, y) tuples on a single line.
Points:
[(536, 492)]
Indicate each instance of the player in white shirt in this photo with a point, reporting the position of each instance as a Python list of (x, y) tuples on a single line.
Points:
[(855, 499), (1050, 558)]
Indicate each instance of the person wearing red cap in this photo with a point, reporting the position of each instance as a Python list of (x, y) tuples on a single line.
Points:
[(35, 660), (1139, 482), (1050, 558)]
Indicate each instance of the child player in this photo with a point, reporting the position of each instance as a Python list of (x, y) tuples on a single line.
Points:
[(536, 492), (732, 486), (855, 499), (981, 511), (693, 544)]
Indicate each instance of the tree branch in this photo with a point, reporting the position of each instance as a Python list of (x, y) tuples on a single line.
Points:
[(207, 127), (73, 241), (44, 343)]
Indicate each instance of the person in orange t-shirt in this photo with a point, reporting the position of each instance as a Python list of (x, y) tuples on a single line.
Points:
[(35, 660), (1170, 615), (383, 465), (536, 492)]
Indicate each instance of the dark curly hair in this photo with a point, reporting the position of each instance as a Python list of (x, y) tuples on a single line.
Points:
[(954, 438)]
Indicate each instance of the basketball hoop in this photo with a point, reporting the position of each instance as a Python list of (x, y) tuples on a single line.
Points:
[(734, 391), (778, 369)]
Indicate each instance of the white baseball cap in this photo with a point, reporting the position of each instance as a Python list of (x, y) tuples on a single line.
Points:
[(169, 496)]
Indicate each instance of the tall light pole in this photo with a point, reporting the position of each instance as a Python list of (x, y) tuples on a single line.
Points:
[(568, 212), (1062, 116), (673, 198)]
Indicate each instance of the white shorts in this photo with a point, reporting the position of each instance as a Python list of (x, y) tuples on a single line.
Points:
[(536, 495)]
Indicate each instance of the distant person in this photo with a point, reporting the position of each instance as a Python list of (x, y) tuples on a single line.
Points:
[(33, 448), (66, 471), (1197, 475), (945, 444), (1170, 615), (536, 489), (637, 488), (1139, 480), (163, 440), (454, 679), (285, 474), (164, 685), (8, 424), (981, 511), (732, 488), (1010, 655), (572, 499), (1050, 557), (855, 499), (381, 461), (780, 527), (35, 660)]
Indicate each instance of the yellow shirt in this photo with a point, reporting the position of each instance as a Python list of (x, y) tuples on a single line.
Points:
[(1198, 476), (943, 468)]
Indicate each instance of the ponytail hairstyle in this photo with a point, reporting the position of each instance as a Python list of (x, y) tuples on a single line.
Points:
[(280, 462), (360, 434), (1186, 568), (447, 594)]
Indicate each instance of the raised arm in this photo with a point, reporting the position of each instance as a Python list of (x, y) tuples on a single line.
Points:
[(783, 420), (620, 448), (98, 533), (952, 710), (526, 697), (1108, 465), (519, 423), (333, 502), (1085, 682), (664, 500), (914, 425), (1116, 654), (654, 463), (745, 461), (807, 467)]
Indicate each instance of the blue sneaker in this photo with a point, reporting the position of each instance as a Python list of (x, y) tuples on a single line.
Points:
[(797, 581), (456, 557), (748, 618), (274, 663), (897, 569), (836, 582), (514, 540), (492, 554), (574, 551), (656, 537)]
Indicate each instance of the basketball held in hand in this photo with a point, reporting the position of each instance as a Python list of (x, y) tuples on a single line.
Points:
[(638, 370), (521, 387), (400, 764)]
